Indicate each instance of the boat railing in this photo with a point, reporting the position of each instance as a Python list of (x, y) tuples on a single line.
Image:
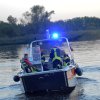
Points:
[(36, 55), (65, 69)]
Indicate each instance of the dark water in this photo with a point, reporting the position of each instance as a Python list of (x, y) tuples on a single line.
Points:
[(86, 54)]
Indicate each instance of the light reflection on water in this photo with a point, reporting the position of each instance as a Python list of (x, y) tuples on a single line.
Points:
[(86, 54)]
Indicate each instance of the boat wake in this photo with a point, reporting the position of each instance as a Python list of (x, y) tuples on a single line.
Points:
[(91, 68)]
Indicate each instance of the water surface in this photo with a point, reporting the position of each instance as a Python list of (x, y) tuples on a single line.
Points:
[(86, 54)]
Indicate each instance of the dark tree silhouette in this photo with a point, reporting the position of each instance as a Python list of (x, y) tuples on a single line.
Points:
[(12, 20), (37, 19)]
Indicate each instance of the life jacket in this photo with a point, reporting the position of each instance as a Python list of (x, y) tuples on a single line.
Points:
[(42, 57), (56, 54)]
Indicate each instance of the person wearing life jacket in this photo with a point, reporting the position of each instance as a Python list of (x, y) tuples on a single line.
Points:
[(45, 66), (66, 60), (26, 65), (42, 58), (55, 58)]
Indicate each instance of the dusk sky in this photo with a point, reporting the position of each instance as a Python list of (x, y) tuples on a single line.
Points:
[(64, 9)]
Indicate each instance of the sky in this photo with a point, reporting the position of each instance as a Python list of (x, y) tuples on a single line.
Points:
[(64, 9)]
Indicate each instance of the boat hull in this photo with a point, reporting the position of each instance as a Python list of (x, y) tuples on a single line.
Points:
[(49, 81)]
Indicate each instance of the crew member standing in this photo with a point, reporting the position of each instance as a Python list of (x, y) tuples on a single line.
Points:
[(55, 57)]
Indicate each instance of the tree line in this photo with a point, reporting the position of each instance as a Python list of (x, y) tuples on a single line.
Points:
[(37, 20)]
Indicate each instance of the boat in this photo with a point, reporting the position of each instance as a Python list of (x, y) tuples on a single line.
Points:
[(51, 80)]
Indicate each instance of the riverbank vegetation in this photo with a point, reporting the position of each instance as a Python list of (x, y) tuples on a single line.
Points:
[(37, 20)]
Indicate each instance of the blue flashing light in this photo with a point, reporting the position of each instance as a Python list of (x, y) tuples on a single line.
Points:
[(55, 36)]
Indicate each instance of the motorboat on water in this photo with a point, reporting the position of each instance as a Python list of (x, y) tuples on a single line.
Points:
[(51, 80)]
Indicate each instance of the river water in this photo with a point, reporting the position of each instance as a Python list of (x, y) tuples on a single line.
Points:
[(86, 54)]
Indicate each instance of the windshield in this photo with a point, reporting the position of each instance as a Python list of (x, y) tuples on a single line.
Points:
[(47, 45)]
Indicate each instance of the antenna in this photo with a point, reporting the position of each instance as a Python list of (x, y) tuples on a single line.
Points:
[(47, 33)]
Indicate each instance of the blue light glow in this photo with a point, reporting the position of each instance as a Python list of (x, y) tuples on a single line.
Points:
[(55, 36)]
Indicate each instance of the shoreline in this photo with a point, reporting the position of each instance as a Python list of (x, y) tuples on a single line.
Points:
[(10, 42), (73, 36)]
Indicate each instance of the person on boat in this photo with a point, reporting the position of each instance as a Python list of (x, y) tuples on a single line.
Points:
[(42, 57), (66, 60), (26, 65), (45, 67), (56, 58)]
